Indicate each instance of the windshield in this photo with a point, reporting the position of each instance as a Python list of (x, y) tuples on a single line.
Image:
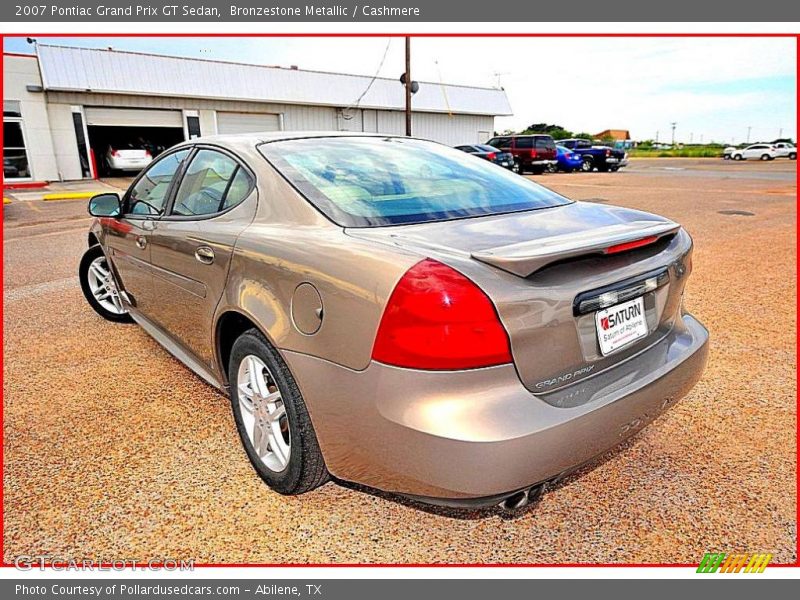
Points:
[(374, 181)]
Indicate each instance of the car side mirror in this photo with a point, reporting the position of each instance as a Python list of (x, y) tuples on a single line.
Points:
[(105, 205)]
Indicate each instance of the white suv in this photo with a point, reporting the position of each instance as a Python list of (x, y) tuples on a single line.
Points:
[(760, 151)]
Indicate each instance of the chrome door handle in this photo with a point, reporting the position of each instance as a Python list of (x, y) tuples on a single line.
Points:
[(148, 225), (141, 242), (204, 254)]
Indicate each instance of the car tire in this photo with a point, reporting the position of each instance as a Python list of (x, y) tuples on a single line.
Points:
[(766, 157), (737, 157), (793, 156), (588, 164), (93, 284), (304, 468)]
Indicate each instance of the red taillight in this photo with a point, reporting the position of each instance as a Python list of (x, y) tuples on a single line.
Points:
[(147, 154), (491, 156), (631, 245), (114, 153), (608, 152), (437, 319), (533, 153)]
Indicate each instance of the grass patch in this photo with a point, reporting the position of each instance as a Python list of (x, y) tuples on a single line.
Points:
[(676, 153)]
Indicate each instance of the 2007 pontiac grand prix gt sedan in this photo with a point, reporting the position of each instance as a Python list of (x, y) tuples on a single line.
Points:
[(399, 314)]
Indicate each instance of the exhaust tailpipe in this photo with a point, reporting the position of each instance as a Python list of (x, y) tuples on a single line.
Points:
[(521, 499)]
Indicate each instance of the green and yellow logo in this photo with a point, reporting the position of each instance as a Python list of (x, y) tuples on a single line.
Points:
[(734, 563)]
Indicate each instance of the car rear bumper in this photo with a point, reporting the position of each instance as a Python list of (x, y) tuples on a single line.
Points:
[(474, 437), (129, 164)]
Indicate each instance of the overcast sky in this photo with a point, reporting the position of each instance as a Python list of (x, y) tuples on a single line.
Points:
[(712, 87)]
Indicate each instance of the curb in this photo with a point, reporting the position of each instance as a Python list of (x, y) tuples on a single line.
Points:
[(69, 196)]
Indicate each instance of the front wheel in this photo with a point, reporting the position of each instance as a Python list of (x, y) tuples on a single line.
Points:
[(272, 419), (588, 165), (766, 157), (100, 286), (793, 156), (737, 157)]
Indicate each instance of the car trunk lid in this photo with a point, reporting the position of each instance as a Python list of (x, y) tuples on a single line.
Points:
[(535, 265)]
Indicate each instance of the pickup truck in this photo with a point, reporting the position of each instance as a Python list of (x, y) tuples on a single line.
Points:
[(602, 158)]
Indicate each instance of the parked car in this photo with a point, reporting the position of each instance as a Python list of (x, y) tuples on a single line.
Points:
[(395, 313), (568, 161), (594, 157), (759, 151), (127, 156), (728, 152), (785, 150), (490, 153), (535, 153)]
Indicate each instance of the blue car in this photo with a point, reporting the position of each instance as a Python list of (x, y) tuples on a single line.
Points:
[(567, 160)]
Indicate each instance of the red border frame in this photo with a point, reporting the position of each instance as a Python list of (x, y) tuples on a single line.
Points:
[(440, 35)]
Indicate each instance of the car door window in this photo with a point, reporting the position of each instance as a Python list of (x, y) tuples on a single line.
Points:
[(213, 182), (149, 194), (524, 143)]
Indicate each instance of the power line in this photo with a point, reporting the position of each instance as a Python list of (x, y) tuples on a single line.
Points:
[(371, 81)]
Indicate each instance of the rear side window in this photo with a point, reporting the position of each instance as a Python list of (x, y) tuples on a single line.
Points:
[(376, 181), (211, 184), (523, 143), (240, 188)]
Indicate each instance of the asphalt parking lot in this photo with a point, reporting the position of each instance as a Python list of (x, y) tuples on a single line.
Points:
[(113, 449)]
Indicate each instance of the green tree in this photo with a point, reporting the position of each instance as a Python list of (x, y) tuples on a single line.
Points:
[(558, 132)]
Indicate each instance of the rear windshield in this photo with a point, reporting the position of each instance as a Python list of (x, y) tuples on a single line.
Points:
[(373, 181)]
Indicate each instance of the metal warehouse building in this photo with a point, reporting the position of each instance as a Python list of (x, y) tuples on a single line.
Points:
[(65, 102)]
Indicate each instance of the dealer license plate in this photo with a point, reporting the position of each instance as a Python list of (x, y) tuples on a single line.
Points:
[(620, 325)]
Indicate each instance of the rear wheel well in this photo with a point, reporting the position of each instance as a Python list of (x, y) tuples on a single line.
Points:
[(93, 241), (230, 326)]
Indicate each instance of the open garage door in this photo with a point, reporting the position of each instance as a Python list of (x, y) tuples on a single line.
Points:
[(123, 130), (132, 117), (234, 122)]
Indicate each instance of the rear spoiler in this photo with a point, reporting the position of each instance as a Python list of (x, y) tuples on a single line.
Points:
[(525, 258)]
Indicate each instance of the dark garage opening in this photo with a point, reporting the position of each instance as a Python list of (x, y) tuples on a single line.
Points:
[(154, 139)]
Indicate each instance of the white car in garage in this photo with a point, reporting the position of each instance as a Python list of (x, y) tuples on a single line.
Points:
[(757, 151), (127, 157)]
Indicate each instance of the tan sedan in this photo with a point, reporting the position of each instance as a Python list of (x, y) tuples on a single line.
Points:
[(398, 314)]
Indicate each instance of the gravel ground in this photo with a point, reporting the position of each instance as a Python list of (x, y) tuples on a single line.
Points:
[(112, 449)]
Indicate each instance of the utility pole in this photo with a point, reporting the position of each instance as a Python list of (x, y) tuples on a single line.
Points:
[(408, 86), (749, 127), (673, 125), (657, 132), (691, 137), (780, 133)]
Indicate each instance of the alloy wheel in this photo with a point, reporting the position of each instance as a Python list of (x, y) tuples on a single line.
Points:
[(264, 413), (103, 287)]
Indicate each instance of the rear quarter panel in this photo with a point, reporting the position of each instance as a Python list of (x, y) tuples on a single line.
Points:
[(290, 243)]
